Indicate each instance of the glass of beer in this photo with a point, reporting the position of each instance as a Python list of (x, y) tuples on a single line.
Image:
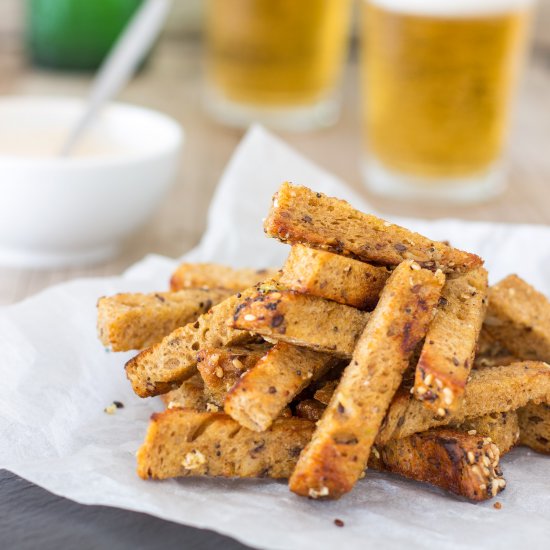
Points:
[(275, 61), (438, 81)]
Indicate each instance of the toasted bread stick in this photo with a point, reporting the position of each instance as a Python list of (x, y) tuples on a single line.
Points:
[(519, 317), (534, 425), (181, 442), (301, 216), (449, 348), (466, 465), (333, 277), (490, 390), (338, 453), (271, 384), (136, 321), (221, 368), (217, 276), (301, 319)]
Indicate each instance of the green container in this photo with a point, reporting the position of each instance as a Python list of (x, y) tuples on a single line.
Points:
[(75, 34)]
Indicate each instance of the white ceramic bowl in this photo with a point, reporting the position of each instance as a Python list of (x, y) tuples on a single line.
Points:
[(69, 211)]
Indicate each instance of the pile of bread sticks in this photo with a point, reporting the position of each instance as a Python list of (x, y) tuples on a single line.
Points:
[(373, 347)]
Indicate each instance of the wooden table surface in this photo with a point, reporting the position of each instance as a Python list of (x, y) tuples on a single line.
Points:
[(171, 83)]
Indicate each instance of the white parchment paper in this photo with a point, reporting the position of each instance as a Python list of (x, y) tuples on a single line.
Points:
[(56, 379)]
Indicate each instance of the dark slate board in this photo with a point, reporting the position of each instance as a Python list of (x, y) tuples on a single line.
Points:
[(31, 518)]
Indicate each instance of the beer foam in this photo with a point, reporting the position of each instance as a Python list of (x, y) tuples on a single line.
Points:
[(453, 8)]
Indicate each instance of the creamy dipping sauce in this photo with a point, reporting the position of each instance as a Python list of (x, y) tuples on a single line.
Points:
[(47, 142)]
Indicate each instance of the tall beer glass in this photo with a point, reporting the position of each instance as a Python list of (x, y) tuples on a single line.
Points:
[(275, 61), (438, 80)]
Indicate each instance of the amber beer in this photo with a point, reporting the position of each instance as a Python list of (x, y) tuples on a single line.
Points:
[(274, 57), (438, 81)]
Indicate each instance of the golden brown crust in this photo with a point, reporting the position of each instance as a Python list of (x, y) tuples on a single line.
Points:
[(166, 365), (218, 276), (300, 319), (135, 321), (182, 442), (448, 351), (519, 316), (490, 390), (301, 216), (189, 395), (221, 368), (333, 277), (338, 453), (534, 422), (271, 384), (466, 465)]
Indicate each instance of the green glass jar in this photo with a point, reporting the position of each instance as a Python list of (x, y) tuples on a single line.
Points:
[(75, 34)]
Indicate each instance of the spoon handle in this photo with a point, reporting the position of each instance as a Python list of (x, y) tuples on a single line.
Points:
[(120, 64)]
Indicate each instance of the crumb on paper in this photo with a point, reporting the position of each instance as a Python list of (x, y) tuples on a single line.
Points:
[(110, 409), (322, 492), (497, 505), (118, 404), (338, 522)]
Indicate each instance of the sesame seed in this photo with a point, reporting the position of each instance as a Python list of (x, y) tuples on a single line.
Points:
[(237, 364), (428, 379), (486, 460), (472, 432), (476, 470), (249, 317), (471, 457), (421, 390), (210, 407), (415, 266), (322, 492), (193, 460), (438, 383), (441, 411), (219, 372)]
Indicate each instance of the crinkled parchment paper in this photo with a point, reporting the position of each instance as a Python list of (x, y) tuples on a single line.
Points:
[(56, 380)]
